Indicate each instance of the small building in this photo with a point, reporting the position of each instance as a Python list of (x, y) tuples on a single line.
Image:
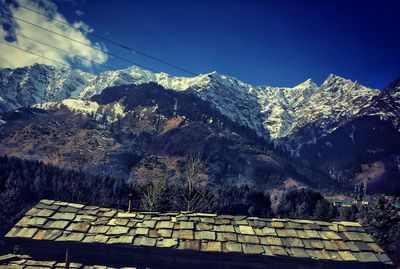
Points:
[(57, 234), (342, 203)]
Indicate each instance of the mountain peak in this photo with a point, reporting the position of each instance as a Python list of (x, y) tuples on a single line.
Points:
[(309, 83), (332, 76)]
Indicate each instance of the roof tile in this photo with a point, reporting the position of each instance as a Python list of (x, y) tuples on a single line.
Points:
[(211, 246), (79, 227), (205, 235), (167, 242), (252, 249), (366, 256), (299, 253), (117, 230), (145, 241), (227, 237), (248, 239), (280, 251), (125, 239), (184, 234), (277, 224), (347, 256), (246, 230), (231, 247), (189, 244)]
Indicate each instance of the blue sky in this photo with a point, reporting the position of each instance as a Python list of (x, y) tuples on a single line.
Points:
[(279, 43)]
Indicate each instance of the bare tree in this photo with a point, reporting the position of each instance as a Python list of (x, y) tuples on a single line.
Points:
[(155, 196), (195, 192)]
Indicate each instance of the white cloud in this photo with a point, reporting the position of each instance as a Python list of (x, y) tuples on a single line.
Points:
[(12, 57), (79, 12)]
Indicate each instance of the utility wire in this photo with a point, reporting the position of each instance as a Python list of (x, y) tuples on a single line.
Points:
[(33, 53), (73, 54), (82, 43), (110, 41)]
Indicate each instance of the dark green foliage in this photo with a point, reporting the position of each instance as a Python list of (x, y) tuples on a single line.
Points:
[(324, 210), (349, 213), (382, 220), (305, 204), (243, 200), (23, 183)]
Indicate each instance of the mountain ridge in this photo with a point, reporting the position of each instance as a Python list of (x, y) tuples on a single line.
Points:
[(307, 134), (273, 112)]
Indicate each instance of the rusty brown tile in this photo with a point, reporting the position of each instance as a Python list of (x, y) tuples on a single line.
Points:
[(189, 245), (211, 246), (226, 237)]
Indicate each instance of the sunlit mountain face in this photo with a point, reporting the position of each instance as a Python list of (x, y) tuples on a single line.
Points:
[(335, 135)]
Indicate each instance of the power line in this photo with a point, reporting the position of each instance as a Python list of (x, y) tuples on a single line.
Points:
[(82, 43), (73, 54), (33, 53), (111, 41)]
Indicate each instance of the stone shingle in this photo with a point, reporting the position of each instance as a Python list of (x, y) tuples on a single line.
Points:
[(280, 251), (117, 230), (224, 228), (79, 227), (185, 234), (167, 242), (277, 224), (125, 239), (231, 247), (145, 241), (366, 256), (246, 230), (64, 216), (48, 234), (26, 232), (149, 223), (252, 249), (226, 236), (165, 232), (339, 245), (211, 246), (165, 225), (142, 231), (299, 253), (204, 226), (347, 256), (71, 236), (189, 245), (184, 225), (101, 229), (295, 242), (271, 240), (205, 235), (248, 239), (44, 213)]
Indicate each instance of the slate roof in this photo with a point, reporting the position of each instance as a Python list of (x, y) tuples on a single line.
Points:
[(304, 239), (26, 262)]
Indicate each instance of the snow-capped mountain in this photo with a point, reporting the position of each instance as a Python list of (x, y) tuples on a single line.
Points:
[(38, 83), (297, 114), (333, 133), (387, 104)]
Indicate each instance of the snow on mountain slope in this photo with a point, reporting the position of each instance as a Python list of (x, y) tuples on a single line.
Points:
[(111, 111), (387, 104), (25, 86), (336, 101), (273, 112), (279, 106)]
